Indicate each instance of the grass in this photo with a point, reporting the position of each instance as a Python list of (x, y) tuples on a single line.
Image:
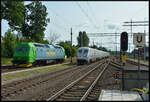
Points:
[(11, 76), (6, 61)]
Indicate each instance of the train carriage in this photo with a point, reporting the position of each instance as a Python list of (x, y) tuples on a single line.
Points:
[(86, 55)]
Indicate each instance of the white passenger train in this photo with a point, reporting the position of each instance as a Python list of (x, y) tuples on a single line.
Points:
[(86, 55)]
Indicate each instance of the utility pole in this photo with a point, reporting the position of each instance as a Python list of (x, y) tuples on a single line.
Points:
[(131, 36), (129, 48), (82, 39), (144, 52), (71, 46), (120, 55), (93, 42), (131, 28), (139, 67), (144, 46), (116, 42)]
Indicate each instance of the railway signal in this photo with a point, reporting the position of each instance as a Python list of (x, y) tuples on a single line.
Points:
[(124, 41)]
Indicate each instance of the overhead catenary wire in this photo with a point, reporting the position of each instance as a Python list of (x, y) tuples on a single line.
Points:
[(60, 25), (92, 14), (91, 21), (61, 17), (139, 11)]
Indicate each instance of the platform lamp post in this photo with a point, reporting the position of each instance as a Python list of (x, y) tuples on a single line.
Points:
[(71, 46)]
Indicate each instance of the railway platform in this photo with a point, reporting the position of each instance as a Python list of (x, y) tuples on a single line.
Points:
[(134, 67), (118, 95), (146, 63), (131, 78)]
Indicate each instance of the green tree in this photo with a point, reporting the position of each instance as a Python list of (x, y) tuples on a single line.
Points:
[(102, 48), (12, 11), (35, 21), (66, 45), (83, 39), (94, 46), (79, 39), (99, 48), (45, 42), (52, 37), (9, 44)]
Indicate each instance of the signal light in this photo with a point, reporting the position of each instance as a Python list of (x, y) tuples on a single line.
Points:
[(124, 41)]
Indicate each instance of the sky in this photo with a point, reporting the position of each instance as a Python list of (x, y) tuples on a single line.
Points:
[(94, 17)]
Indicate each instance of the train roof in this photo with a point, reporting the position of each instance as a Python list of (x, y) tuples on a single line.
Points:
[(27, 44), (83, 48), (57, 46), (90, 48), (47, 45), (86, 48), (39, 45)]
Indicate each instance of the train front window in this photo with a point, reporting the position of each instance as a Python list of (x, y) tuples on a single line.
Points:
[(85, 53), (21, 49), (80, 51)]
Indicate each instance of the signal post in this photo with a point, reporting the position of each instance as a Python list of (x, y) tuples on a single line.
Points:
[(123, 49), (124, 46)]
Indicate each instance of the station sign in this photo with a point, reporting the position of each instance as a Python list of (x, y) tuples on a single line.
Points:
[(139, 39)]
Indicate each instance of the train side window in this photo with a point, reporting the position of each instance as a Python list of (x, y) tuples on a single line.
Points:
[(85, 51)]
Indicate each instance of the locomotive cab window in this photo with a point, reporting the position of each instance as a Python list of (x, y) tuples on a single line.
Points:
[(21, 49)]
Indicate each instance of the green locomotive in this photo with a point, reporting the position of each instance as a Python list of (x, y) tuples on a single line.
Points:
[(27, 54)]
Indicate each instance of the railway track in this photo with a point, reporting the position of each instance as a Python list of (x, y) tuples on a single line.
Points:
[(10, 68), (20, 86), (32, 82), (81, 89)]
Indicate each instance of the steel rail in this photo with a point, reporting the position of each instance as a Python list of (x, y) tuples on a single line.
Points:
[(93, 84), (73, 83)]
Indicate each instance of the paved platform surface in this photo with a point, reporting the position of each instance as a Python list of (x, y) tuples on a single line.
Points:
[(141, 61), (134, 67), (117, 95)]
